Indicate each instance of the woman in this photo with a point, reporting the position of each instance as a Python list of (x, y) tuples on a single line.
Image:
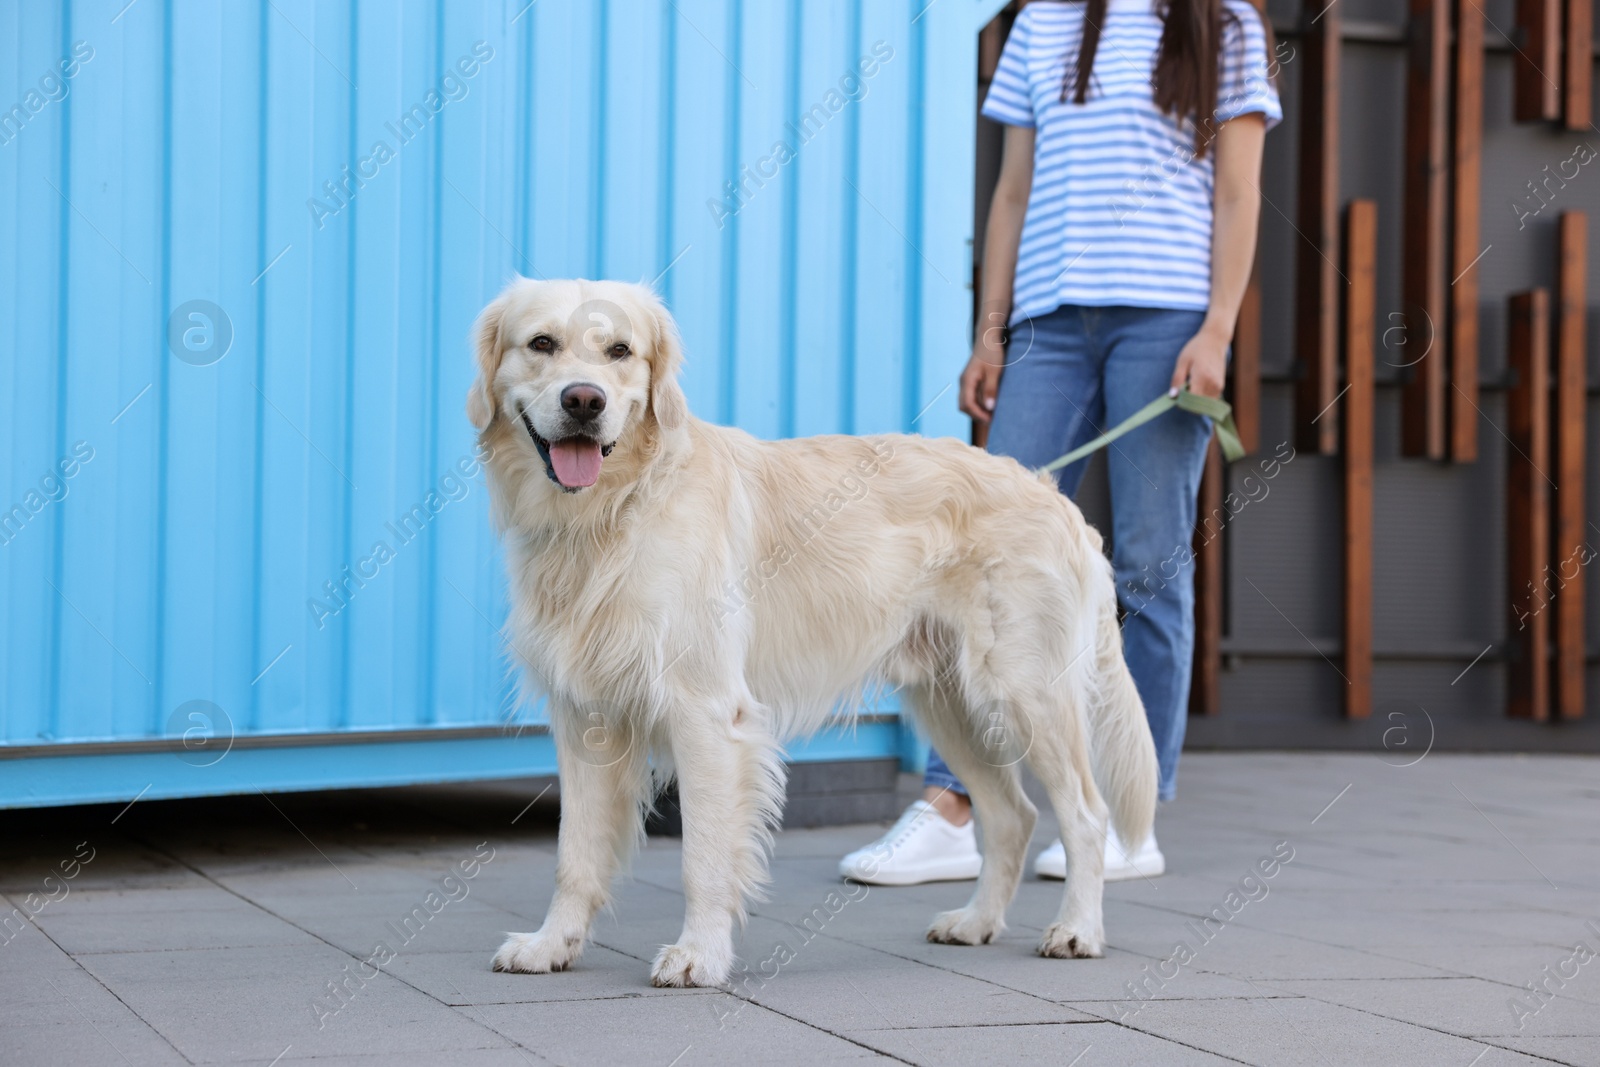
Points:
[(1120, 240)]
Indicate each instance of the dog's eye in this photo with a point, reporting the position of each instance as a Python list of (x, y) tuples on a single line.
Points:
[(619, 350), (542, 343)]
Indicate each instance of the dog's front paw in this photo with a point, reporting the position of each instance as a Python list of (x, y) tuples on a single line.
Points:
[(964, 927), (680, 966), (538, 953), (1069, 941)]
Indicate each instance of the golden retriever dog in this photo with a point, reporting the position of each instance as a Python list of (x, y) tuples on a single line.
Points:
[(688, 598)]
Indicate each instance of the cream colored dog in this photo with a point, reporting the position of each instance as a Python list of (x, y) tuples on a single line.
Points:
[(687, 594)]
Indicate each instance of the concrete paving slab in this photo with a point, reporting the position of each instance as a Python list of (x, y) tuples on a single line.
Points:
[(1302, 1032), (1245, 952), (36, 976), (1577, 1051), (803, 974), (412, 922), (77, 928), (113, 864), (1514, 966), (1057, 1045), (1467, 1006), (676, 1031), (250, 1003), (461, 978), (57, 1012), (1012, 962), (478, 1057), (82, 1041)]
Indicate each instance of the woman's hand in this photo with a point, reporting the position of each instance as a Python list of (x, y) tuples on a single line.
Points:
[(1203, 363), (980, 382)]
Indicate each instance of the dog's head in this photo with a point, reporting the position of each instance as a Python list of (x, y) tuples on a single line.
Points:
[(579, 368)]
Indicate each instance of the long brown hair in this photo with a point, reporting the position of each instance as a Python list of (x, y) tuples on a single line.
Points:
[(1188, 65)]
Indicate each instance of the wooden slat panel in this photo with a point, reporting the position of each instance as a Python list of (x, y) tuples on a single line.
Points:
[(1423, 276), (1205, 686), (1570, 547), (1361, 267), (1538, 61), (1317, 283), (1466, 205), (1575, 84), (1245, 376), (1528, 504)]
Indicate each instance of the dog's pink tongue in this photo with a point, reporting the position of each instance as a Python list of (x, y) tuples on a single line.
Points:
[(576, 460)]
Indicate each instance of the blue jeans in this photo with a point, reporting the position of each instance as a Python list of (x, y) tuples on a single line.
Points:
[(1071, 375)]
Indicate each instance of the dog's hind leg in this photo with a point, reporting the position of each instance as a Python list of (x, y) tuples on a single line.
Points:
[(1005, 815), (605, 776), (1060, 759), (730, 786)]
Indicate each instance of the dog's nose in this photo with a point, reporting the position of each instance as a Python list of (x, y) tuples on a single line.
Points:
[(583, 401)]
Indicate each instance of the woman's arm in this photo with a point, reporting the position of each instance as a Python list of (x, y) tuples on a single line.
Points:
[(981, 380), (1236, 207)]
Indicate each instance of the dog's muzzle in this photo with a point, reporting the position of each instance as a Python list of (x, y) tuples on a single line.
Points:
[(572, 462)]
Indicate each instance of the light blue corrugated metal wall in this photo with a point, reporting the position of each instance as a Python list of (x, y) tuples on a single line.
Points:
[(187, 158)]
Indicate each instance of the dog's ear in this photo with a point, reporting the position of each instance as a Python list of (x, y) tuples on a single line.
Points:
[(481, 401), (667, 402)]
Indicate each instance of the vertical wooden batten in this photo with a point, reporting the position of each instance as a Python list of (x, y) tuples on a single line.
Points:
[(1578, 68), (1527, 505), (1360, 311), (1245, 374), (991, 44), (1537, 60), (1570, 545), (1423, 280), (1466, 206), (1205, 686), (1316, 280)]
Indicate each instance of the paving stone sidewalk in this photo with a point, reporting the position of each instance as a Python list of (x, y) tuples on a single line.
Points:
[(1415, 907)]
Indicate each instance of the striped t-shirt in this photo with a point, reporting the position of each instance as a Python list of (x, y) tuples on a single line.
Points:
[(1120, 210)]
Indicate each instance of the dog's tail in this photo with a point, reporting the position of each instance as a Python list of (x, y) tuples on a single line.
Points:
[(1122, 751)]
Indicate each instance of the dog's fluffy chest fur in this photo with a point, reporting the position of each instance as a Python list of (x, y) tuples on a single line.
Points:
[(629, 611), (593, 632)]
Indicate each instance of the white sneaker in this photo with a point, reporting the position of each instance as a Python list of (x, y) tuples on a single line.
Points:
[(922, 847), (1147, 862)]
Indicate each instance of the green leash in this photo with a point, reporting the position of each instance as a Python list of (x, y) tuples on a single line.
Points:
[(1219, 411)]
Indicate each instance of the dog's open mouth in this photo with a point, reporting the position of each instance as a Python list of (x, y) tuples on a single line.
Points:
[(573, 463)]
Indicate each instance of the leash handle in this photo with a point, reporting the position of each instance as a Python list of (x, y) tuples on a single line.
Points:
[(1219, 411)]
